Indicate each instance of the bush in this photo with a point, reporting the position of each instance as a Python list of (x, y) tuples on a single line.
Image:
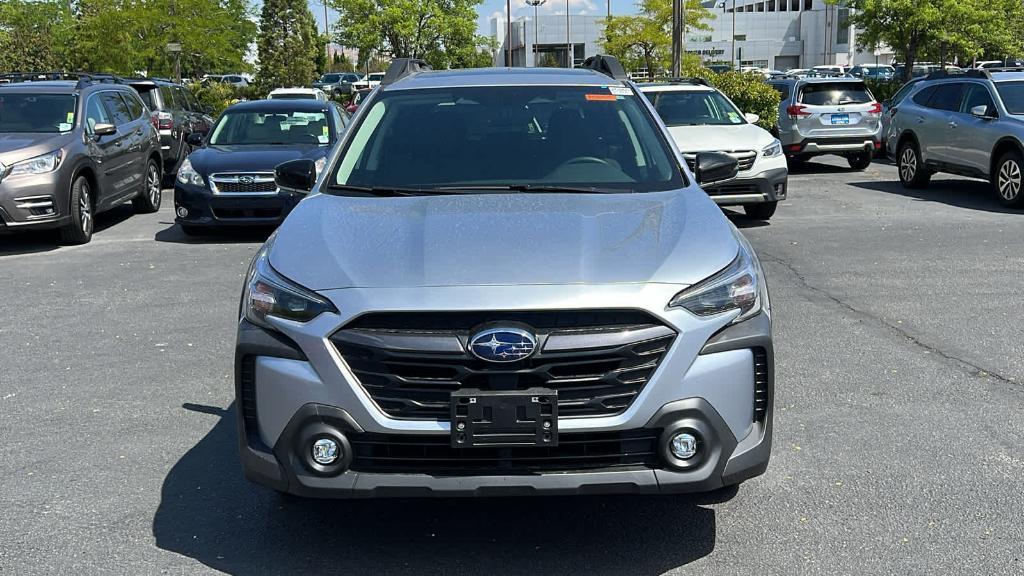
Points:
[(214, 95), (751, 93), (883, 90)]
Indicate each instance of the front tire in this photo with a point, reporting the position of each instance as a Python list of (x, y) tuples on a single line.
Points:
[(79, 230), (911, 170), (762, 211), (860, 161), (149, 201), (1007, 179)]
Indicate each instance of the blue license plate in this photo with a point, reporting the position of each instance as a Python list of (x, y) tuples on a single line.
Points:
[(840, 118)]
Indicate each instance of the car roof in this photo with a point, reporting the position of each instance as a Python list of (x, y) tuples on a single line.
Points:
[(280, 106), (295, 91), (675, 87), (60, 86), (149, 81), (1007, 76), (843, 79), (472, 77)]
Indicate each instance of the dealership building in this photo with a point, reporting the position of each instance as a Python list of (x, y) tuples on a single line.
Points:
[(772, 34)]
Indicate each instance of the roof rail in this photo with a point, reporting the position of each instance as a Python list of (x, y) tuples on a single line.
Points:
[(402, 67), (607, 65), (697, 80)]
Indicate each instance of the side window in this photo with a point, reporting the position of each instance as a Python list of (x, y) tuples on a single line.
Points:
[(116, 107), (901, 94), (947, 97), (95, 113), (923, 96), (166, 94), (977, 95), (179, 97), (135, 106), (191, 99)]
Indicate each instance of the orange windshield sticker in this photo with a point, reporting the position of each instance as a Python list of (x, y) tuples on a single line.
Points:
[(601, 97)]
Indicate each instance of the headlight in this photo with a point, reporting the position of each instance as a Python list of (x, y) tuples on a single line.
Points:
[(188, 175), (267, 293), (772, 150), (38, 165), (740, 286)]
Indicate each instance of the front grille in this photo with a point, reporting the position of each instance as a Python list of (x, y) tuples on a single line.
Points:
[(257, 183), (393, 453), (745, 159), (598, 361), (760, 384), (733, 189)]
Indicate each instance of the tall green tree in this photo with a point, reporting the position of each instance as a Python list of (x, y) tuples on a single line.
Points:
[(34, 35), (644, 40), (441, 31), (288, 44)]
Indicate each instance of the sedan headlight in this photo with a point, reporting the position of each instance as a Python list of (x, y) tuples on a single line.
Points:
[(38, 165), (267, 293), (188, 175), (772, 150), (739, 286)]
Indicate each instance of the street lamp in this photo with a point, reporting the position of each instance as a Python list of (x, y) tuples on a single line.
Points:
[(508, 33), (535, 4), (568, 41)]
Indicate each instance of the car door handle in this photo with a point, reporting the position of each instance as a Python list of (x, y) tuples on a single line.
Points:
[(118, 143), (920, 119), (952, 124)]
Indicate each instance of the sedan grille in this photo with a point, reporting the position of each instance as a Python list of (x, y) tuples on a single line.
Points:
[(745, 158), (260, 183), (598, 361)]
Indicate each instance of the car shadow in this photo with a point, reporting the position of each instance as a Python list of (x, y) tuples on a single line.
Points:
[(210, 513), (36, 241), (962, 193), (741, 220), (813, 167), (235, 235)]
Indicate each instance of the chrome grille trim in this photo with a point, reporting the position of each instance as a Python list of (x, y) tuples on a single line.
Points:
[(233, 184)]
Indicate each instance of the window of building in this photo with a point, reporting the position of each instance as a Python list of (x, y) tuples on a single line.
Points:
[(808, 4), (843, 26), (740, 37)]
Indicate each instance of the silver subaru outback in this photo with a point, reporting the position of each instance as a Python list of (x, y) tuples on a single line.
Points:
[(505, 282)]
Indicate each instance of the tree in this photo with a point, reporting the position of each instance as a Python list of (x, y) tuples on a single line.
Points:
[(34, 34), (441, 31), (288, 44), (644, 40)]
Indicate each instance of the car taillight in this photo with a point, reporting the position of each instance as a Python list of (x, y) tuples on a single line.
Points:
[(876, 108), (796, 111), (164, 121)]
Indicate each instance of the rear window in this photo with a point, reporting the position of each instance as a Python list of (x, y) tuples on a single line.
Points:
[(782, 89), (147, 96), (835, 94)]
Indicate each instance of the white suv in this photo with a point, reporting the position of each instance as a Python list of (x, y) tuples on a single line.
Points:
[(702, 119)]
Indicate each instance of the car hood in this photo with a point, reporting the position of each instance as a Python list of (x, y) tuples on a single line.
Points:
[(332, 242), (714, 138), (250, 158), (15, 147)]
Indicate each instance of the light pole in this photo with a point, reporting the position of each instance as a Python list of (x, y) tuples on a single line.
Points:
[(327, 39), (536, 4), (732, 60), (508, 33), (568, 40)]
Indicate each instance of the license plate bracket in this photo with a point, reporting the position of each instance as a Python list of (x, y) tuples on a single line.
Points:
[(840, 118), (496, 418)]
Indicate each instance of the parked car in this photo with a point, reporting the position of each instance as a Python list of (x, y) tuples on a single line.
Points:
[(968, 125), (873, 71), (1007, 63), (720, 68), (70, 150), (229, 179), (819, 116), (297, 94), (177, 115), (828, 70), (798, 72), (889, 109), (702, 119), (236, 80), (371, 80), (546, 303), (357, 98), (337, 83)]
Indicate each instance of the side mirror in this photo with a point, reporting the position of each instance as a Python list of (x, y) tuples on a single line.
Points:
[(982, 111), (296, 176), (713, 167), (751, 117), (104, 130), (195, 139)]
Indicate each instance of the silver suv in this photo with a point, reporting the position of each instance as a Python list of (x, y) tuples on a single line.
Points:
[(966, 124), (547, 303), (820, 116)]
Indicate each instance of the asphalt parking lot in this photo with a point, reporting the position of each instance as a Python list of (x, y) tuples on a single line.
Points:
[(899, 428)]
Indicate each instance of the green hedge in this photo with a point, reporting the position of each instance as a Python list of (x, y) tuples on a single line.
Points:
[(883, 89)]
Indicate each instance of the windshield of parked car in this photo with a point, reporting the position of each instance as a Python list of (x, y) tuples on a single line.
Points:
[(1012, 95), (695, 108), (508, 136), (37, 113), (271, 127), (375, 77), (330, 78), (835, 94)]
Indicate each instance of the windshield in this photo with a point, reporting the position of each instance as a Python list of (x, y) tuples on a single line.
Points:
[(695, 108), (1012, 95), (508, 136), (277, 127), (835, 94), (330, 78), (37, 113), (375, 77)]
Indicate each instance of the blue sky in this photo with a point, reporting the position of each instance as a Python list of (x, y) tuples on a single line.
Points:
[(519, 8)]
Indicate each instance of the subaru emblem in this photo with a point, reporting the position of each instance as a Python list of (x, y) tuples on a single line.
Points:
[(503, 344), (246, 179)]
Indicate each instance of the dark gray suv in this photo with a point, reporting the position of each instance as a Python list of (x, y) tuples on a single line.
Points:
[(69, 150)]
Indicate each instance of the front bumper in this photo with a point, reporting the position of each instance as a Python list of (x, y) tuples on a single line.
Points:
[(35, 201), (204, 208), (293, 385), (767, 186)]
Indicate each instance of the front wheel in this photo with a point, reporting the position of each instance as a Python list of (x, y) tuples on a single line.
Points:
[(149, 201), (1007, 179), (79, 230), (860, 161), (762, 211), (912, 172)]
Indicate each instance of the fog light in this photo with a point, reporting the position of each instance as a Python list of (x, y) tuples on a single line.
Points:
[(683, 446), (325, 451), (182, 212)]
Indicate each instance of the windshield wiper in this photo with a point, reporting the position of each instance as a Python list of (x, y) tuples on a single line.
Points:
[(381, 190), (532, 188)]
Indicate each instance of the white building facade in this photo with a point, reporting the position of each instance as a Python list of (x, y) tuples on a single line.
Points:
[(548, 42)]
